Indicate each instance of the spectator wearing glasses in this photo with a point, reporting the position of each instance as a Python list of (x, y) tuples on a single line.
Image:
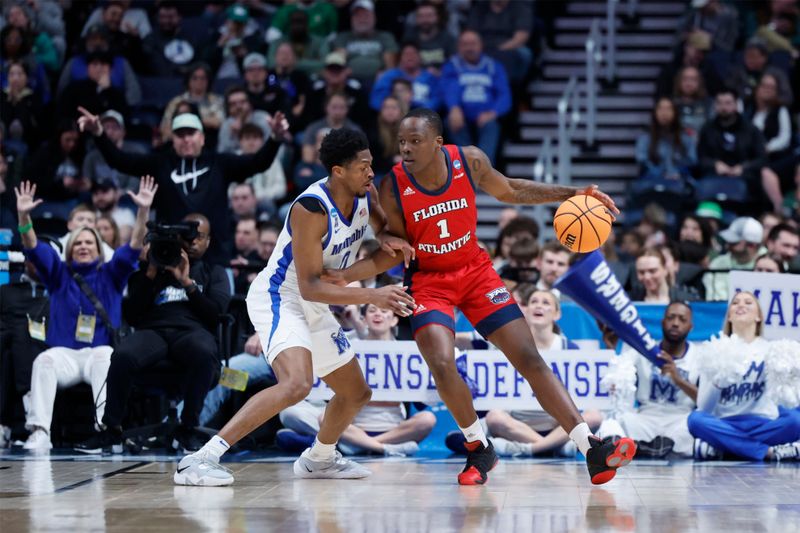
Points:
[(175, 311)]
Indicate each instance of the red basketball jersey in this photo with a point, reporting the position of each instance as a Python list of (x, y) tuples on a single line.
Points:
[(440, 224)]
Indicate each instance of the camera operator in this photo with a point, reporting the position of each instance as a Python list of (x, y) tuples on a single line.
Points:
[(175, 310), (85, 293), (192, 179)]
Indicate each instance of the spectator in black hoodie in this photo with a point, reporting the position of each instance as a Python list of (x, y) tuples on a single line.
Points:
[(175, 311), (192, 180), (95, 93), (730, 146)]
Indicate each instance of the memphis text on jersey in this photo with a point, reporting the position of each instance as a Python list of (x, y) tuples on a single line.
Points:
[(439, 209)]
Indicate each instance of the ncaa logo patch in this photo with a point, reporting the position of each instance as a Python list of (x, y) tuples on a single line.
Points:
[(457, 164), (499, 296)]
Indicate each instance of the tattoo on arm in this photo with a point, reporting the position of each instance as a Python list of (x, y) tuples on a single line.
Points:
[(531, 192), (476, 166)]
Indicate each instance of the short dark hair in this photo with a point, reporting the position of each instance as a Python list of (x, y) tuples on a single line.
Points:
[(679, 302), (248, 218), (776, 230), (430, 116), (554, 247), (247, 184), (270, 225), (252, 130), (725, 89), (340, 146)]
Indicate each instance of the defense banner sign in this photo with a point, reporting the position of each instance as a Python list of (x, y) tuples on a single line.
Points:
[(779, 296), (395, 371)]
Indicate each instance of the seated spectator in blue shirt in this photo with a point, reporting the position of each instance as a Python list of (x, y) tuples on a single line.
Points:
[(476, 94), (310, 169), (665, 152), (80, 341), (122, 75), (425, 85)]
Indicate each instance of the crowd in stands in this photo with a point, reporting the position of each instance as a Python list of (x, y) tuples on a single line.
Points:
[(226, 104)]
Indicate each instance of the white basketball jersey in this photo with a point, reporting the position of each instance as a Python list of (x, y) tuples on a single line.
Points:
[(339, 245), (657, 391)]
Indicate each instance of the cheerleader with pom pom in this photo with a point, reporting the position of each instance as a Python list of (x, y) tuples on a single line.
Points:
[(737, 413)]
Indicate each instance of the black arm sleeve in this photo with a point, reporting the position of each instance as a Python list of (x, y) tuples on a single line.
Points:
[(240, 167), (311, 204), (133, 164)]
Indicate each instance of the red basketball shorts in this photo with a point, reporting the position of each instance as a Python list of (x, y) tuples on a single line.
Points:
[(475, 289)]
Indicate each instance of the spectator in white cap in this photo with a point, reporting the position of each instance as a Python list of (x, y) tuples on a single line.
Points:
[(369, 51), (95, 167), (262, 88), (743, 239), (191, 179)]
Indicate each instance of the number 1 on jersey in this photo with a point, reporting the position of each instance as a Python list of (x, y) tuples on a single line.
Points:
[(443, 233)]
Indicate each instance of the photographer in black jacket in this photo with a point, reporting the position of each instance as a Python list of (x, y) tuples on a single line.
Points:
[(174, 311)]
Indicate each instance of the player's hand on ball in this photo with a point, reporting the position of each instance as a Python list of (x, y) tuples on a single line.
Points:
[(592, 190), (394, 298), (336, 277)]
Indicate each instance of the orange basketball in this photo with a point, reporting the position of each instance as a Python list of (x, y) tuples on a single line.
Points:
[(582, 223)]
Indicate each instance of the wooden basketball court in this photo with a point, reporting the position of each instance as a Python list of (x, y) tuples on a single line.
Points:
[(136, 494)]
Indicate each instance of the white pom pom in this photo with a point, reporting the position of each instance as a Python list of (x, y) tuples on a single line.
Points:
[(620, 379), (783, 373), (724, 360)]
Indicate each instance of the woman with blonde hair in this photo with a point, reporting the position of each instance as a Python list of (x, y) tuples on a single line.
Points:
[(736, 413), (86, 291), (109, 231), (534, 432)]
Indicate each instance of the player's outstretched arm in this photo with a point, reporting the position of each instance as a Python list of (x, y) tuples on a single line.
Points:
[(307, 251), (387, 221), (517, 191)]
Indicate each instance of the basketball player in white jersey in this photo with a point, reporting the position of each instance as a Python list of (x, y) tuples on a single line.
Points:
[(288, 304), (666, 395)]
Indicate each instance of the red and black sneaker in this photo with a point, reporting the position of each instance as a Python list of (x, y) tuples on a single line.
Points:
[(480, 460), (606, 455)]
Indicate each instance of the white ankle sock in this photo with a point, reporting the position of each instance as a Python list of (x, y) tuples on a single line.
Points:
[(475, 432), (580, 435), (216, 447), (320, 452)]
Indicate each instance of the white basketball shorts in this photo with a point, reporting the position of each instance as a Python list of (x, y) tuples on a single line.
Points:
[(284, 320)]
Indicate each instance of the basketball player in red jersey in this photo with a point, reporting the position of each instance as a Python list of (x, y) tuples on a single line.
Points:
[(429, 199)]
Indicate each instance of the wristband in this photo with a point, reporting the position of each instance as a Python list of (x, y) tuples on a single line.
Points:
[(26, 228)]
